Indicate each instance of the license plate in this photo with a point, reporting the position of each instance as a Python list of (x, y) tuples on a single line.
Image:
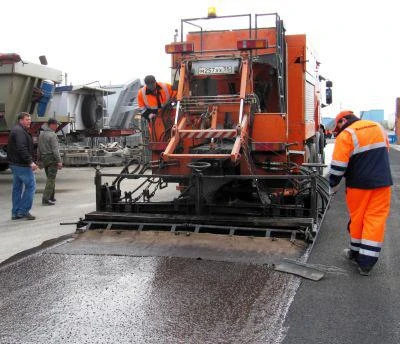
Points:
[(216, 70)]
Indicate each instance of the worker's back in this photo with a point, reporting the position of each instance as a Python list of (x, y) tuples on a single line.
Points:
[(368, 162)]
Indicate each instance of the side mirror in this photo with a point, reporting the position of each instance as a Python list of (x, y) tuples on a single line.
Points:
[(328, 94)]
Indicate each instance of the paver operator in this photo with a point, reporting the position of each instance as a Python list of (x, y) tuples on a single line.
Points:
[(152, 98), (361, 156), (49, 158)]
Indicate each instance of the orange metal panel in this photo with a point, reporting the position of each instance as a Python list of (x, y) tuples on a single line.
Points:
[(181, 82), (296, 49), (269, 128), (268, 146), (309, 129), (222, 40), (158, 146)]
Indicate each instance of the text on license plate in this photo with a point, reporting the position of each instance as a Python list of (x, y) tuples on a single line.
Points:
[(216, 70)]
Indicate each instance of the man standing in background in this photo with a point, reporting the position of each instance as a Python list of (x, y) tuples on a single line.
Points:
[(49, 157), (20, 156)]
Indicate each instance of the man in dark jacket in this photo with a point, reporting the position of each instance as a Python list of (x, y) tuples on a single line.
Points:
[(49, 157), (20, 157)]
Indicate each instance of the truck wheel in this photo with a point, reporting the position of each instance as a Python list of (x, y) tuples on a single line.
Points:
[(91, 111)]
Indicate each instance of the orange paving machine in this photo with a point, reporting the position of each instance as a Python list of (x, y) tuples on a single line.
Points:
[(239, 147)]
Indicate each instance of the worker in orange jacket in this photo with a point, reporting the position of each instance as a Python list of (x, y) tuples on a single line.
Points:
[(153, 97), (152, 100), (361, 156)]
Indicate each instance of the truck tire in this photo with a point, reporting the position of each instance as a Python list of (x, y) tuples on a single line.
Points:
[(91, 111)]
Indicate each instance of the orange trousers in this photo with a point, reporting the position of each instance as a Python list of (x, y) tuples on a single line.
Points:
[(368, 210)]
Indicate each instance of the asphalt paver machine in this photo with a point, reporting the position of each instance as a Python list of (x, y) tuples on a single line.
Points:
[(238, 148)]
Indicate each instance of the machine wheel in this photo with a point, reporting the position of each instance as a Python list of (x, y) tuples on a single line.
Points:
[(310, 154), (92, 111)]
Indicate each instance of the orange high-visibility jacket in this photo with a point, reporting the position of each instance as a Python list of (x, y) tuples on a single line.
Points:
[(147, 100), (361, 156)]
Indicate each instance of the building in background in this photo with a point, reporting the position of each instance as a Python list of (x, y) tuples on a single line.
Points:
[(373, 115), (328, 122)]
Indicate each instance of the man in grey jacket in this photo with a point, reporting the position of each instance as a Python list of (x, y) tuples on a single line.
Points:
[(49, 158)]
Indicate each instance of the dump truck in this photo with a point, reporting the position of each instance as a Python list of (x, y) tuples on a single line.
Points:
[(240, 142), (35, 88), (24, 87)]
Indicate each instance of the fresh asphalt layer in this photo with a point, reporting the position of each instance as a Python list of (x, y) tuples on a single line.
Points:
[(345, 307), (63, 296)]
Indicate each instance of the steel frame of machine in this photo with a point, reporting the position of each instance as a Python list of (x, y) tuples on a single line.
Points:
[(245, 177)]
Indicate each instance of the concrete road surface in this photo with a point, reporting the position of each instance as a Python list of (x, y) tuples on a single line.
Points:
[(75, 196)]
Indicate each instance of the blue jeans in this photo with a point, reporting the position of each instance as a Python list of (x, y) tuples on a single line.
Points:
[(23, 191)]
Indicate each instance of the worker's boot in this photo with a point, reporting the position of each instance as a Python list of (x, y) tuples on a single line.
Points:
[(364, 271), (48, 202), (347, 253)]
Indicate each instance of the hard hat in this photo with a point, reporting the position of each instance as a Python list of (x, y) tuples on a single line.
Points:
[(339, 116)]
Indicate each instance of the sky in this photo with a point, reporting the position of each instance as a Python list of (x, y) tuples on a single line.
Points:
[(116, 41)]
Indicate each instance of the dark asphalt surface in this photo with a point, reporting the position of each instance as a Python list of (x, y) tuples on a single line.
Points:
[(56, 298), (350, 308)]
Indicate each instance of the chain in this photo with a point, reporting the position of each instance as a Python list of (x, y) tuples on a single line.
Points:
[(265, 200)]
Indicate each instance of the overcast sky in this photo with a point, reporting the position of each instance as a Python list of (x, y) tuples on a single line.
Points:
[(116, 41)]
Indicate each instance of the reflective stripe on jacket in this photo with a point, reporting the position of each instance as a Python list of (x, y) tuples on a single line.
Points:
[(361, 156), (149, 101)]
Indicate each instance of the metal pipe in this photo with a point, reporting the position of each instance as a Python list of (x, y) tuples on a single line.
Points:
[(197, 177), (279, 177), (250, 28), (178, 105), (241, 111), (219, 17), (97, 182), (314, 200)]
